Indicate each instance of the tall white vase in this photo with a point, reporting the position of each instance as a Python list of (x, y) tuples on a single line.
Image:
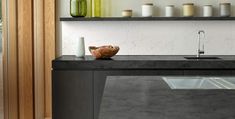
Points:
[(80, 47)]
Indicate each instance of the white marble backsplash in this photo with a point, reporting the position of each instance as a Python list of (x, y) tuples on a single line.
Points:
[(151, 37)]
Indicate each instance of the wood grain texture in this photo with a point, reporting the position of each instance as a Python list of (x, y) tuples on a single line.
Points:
[(25, 58), (48, 118), (44, 53), (4, 59), (30, 37), (1, 75), (49, 23), (10, 64), (39, 77)]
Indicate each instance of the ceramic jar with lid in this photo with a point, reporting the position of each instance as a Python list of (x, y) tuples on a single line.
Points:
[(188, 9), (207, 11), (170, 11), (225, 9), (127, 13), (147, 10)]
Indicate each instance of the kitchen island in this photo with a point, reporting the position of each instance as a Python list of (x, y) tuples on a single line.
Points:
[(79, 83)]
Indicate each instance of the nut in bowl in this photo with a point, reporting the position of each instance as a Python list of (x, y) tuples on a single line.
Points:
[(103, 52)]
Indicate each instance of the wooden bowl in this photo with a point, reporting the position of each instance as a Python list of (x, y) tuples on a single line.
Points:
[(103, 52)]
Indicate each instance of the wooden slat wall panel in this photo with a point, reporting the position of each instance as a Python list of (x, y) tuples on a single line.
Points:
[(25, 59), (49, 23), (4, 44), (39, 62), (10, 63)]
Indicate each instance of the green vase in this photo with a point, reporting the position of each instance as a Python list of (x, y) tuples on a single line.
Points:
[(78, 8)]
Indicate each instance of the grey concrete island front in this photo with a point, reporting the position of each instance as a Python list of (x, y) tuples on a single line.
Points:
[(143, 87)]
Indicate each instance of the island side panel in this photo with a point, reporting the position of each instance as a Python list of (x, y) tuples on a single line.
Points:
[(72, 94), (100, 80)]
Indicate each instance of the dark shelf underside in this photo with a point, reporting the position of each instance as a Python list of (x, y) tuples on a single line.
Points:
[(146, 18)]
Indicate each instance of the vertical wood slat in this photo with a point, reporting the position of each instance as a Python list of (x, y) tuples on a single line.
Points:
[(5, 59), (25, 58), (49, 23), (39, 59), (10, 58), (58, 31)]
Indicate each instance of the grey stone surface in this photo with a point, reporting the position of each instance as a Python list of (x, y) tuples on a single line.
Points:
[(150, 98), (142, 62), (145, 99)]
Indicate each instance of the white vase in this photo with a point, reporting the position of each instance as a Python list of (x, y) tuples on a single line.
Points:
[(80, 47)]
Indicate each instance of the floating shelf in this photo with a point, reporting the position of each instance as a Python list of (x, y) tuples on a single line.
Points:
[(147, 18)]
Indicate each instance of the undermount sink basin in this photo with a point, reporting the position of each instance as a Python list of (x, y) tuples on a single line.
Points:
[(202, 57), (200, 82)]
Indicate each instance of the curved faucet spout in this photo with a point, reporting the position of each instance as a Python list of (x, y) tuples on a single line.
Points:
[(201, 36)]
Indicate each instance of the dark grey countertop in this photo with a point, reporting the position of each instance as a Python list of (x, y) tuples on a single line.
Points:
[(70, 62)]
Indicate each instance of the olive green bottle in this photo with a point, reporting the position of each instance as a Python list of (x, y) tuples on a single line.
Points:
[(78, 8), (97, 8)]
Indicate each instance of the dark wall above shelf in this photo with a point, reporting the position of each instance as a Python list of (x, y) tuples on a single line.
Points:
[(147, 18)]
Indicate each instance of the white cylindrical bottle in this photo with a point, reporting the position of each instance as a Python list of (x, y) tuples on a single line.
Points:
[(80, 47), (207, 11), (169, 11)]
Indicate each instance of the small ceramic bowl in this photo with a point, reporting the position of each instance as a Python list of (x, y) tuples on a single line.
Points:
[(103, 52)]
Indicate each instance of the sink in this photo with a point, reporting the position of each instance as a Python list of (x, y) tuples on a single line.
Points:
[(202, 57), (200, 82)]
